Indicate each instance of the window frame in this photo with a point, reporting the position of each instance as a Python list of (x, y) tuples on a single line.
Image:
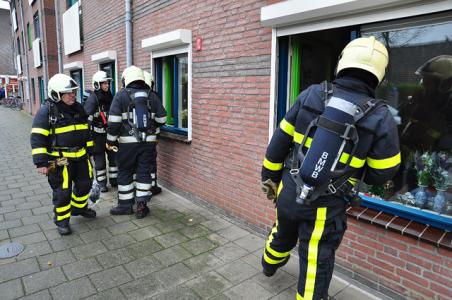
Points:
[(114, 82), (29, 36), (168, 52), (69, 3), (419, 215), (81, 89), (36, 25)]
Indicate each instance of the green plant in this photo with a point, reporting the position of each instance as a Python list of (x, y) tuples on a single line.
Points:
[(423, 165), (441, 179)]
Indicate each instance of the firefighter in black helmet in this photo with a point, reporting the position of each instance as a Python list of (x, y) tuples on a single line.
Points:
[(135, 114), (97, 107), (427, 117), (61, 143), (319, 225)]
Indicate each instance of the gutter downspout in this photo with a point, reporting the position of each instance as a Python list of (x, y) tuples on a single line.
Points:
[(128, 33), (27, 83), (58, 36), (44, 53)]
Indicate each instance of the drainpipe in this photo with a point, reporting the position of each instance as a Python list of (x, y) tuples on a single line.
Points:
[(44, 53), (58, 36), (128, 33), (27, 83)]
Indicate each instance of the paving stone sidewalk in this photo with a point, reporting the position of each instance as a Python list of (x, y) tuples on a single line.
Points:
[(181, 251)]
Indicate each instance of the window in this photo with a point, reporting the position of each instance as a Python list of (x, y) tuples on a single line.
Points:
[(30, 39), (172, 87), (42, 95), (33, 91), (69, 3), (36, 25), (78, 77), (418, 89), (18, 46), (110, 69)]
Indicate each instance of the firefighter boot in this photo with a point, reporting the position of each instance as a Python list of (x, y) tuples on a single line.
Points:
[(121, 210), (64, 229), (142, 210), (86, 213), (270, 270), (103, 189), (155, 190)]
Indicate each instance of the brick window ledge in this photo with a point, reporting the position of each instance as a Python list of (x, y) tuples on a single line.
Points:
[(422, 232)]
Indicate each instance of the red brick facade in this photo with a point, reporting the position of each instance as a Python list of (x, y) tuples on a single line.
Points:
[(230, 113), (410, 267)]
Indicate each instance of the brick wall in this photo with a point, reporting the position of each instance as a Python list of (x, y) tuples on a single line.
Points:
[(230, 111), (231, 86), (384, 259), (6, 45)]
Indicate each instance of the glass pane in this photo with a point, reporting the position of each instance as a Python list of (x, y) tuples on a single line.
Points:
[(183, 91), (418, 88), (109, 68), (77, 76)]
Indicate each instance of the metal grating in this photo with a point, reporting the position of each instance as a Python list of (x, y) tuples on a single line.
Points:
[(10, 250)]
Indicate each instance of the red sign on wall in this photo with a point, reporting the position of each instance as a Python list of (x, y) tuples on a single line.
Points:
[(198, 43)]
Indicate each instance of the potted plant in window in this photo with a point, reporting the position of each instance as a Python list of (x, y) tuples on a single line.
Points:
[(441, 182), (423, 165)]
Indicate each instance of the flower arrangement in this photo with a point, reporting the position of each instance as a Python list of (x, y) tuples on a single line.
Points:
[(423, 165), (439, 173)]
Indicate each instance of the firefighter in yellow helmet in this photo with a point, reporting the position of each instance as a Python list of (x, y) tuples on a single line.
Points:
[(135, 115), (61, 142), (97, 107), (311, 207)]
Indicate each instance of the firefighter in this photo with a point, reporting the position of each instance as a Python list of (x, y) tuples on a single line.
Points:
[(427, 117), (155, 189), (97, 107), (320, 225), (61, 142), (135, 115)]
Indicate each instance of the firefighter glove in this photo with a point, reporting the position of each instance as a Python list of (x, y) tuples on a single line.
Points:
[(269, 188)]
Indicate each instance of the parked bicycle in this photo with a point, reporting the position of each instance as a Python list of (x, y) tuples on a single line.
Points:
[(15, 103)]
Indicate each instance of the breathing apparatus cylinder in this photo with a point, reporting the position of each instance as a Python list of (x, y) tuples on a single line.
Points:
[(141, 116), (326, 147)]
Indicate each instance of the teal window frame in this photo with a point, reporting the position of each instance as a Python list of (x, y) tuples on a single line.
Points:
[(110, 69), (168, 88)]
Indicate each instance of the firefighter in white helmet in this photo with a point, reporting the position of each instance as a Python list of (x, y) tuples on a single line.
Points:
[(319, 224), (61, 143), (135, 115), (97, 107)]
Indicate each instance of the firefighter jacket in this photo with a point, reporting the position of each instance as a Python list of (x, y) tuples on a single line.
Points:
[(121, 120), (60, 130), (377, 151), (97, 107)]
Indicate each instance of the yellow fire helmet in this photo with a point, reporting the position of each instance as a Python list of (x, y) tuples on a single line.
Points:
[(60, 84), (131, 74), (98, 78), (365, 53), (148, 78)]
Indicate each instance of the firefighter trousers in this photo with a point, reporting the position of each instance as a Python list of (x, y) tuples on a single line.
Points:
[(100, 161), (134, 158), (70, 188), (318, 241)]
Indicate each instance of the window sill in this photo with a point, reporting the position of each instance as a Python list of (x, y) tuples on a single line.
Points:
[(169, 136), (422, 225)]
